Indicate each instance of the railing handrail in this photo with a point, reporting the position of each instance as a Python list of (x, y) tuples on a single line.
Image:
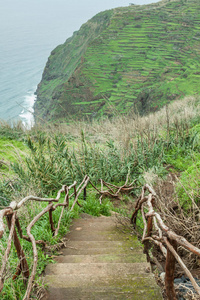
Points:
[(10, 213), (165, 238)]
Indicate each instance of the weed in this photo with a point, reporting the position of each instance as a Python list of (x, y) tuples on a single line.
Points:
[(93, 207)]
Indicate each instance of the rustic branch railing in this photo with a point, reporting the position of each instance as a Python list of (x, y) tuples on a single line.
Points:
[(157, 232), (10, 213), (154, 230)]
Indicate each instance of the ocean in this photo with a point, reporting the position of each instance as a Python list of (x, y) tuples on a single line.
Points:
[(29, 31)]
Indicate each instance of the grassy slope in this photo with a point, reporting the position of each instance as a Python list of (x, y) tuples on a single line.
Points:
[(10, 151), (64, 60), (145, 57)]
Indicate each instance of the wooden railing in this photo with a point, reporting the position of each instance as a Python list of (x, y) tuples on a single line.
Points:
[(157, 232), (13, 222), (10, 213), (154, 230)]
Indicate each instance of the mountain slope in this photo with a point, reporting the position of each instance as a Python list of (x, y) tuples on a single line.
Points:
[(133, 58)]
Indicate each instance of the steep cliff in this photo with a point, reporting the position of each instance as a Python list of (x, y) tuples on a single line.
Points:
[(132, 58)]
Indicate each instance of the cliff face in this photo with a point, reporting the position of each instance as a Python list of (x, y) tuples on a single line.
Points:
[(63, 62), (133, 58)]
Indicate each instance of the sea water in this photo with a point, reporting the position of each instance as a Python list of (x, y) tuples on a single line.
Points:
[(29, 31)]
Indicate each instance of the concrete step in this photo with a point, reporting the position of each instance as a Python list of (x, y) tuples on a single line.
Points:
[(128, 247), (94, 236), (135, 256), (106, 293), (101, 234), (97, 269), (138, 287), (96, 223), (101, 261), (95, 251), (95, 244), (91, 281)]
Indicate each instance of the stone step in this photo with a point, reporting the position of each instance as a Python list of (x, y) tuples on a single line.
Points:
[(97, 229), (85, 235), (94, 244), (128, 286), (97, 269), (94, 226), (97, 280), (101, 261), (91, 234), (95, 251), (96, 223), (99, 219), (106, 293), (128, 247), (135, 256)]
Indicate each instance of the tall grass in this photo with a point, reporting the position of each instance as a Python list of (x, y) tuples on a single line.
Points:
[(123, 129), (58, 154), (108, 148)]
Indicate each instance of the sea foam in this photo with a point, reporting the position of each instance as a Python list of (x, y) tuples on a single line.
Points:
[(26, 114)]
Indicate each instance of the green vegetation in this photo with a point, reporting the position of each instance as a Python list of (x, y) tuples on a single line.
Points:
[(141, 58), (65, 59), (147, 147), (118, 66)]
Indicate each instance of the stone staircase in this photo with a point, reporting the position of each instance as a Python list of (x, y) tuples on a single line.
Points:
[(101, 261)]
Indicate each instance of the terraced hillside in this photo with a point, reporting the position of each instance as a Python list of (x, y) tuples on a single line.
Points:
[(132, 58)]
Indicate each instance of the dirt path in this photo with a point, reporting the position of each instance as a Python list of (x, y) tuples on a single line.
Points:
[(101, 261)]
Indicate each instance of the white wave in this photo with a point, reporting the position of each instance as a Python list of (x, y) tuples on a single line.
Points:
[(26, 114)]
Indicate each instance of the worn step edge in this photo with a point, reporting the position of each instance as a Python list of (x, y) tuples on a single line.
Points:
[(97, 269), (98, 258), (94, 244), (91, 281), (95, 251), (107, 293), (97, 236), (124, 244)]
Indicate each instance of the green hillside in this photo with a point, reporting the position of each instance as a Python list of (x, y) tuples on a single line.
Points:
[(133, 58)]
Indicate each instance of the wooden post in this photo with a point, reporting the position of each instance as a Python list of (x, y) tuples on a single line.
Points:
[(149, 231), (67, 195), (84, 194), (51, 220), (169, 272), (20, 253)]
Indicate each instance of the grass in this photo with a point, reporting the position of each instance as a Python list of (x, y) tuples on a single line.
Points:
[(10, 150), (147, 147)]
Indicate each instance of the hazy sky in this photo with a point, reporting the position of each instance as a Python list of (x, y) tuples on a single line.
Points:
[(69, 15)]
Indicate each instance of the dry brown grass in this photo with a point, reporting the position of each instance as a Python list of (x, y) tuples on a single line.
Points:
[(184, 224), (124, 129)]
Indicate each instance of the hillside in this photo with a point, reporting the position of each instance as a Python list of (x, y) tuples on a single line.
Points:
[(136, 58), (161, 149)]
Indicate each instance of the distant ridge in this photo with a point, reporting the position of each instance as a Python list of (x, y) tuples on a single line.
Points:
[(134, 58)]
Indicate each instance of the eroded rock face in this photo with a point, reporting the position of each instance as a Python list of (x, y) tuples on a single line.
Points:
[(101, 262)]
